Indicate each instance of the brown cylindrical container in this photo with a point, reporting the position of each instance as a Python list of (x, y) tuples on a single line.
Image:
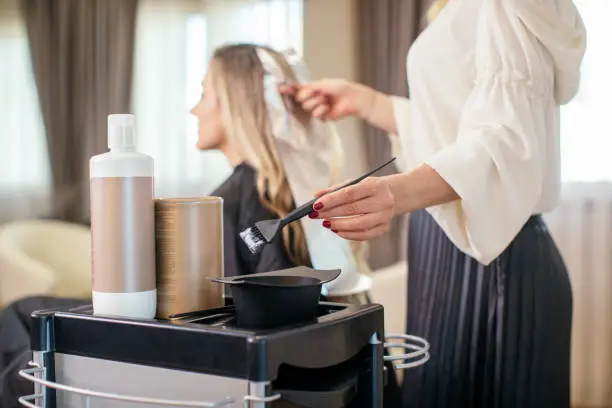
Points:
[(189, 246)]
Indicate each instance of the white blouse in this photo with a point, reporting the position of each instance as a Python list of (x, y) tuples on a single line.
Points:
[(486, 81)]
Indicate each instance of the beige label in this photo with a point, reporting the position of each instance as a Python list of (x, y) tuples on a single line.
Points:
[(123, 234), (189, 241)]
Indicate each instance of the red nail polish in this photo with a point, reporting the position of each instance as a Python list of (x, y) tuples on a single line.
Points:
[(327, 224), (313, 214), (335, 231), (318, 206)]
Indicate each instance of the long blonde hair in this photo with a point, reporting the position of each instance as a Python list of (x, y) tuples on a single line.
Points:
[(238, 82)]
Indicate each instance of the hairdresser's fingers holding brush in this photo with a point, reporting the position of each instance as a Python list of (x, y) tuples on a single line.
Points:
[(362, 227), (369, 206), (374, 192), (364, 235), (358, 224), (358, 207), (327, 190)]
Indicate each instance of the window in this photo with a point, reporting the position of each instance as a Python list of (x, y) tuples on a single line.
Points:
[(24, 165), (586, 129), (174, 43)]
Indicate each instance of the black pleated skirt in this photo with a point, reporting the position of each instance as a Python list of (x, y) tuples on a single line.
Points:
[(500, 334)]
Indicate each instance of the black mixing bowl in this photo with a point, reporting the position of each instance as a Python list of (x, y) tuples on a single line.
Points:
[(273, 299)]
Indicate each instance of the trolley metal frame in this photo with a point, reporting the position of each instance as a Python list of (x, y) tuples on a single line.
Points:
[(42, 374)]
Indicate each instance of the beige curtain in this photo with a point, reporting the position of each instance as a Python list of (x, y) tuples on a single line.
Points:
[(386, 30), (582, 228), (81, 53)]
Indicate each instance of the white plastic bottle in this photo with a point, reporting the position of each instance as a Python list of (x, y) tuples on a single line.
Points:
[(123, 226)]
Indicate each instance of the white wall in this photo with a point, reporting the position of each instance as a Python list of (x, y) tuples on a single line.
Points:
[(330, 49)]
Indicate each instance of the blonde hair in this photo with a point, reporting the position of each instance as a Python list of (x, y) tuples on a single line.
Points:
[(435, 9), (238, 82), (237, 77)]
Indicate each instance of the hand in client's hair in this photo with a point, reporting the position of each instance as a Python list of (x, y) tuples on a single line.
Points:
[(331, 99), (293, 106)]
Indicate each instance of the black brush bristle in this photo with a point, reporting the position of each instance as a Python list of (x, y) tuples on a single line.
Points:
[(268, 229), (253, 239)]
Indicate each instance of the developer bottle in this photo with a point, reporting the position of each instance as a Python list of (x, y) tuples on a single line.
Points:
[(122, 226)]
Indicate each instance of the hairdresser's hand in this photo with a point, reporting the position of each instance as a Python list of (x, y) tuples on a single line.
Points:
[(332, 99), (358, 212)]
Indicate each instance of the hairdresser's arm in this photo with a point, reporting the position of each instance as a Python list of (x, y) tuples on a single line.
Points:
[(334, 99), (364, 211), (418, 189)]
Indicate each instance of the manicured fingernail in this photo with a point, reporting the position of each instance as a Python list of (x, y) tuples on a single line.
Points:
[(313, 214), (335, 231), (318, 206), (327, 224)]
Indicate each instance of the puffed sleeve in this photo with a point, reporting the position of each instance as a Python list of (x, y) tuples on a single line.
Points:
[(498, 161)]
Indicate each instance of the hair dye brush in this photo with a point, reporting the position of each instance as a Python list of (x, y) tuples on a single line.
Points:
[(263, 232)]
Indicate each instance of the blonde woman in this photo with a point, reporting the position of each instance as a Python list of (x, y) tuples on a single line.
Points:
[(281, 157), (233, 118), (238, 115), (480, 135)]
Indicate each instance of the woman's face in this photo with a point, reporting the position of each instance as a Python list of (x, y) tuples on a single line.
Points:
[(211, 133)]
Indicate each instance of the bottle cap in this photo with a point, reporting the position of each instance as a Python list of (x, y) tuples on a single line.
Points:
[(121, 131)]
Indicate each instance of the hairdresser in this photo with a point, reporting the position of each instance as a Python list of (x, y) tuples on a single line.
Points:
[(480, 137)]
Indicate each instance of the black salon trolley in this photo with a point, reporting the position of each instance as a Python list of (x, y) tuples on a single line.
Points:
[(204, 359)]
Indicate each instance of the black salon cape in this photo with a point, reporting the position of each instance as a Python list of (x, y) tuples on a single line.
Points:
[(241, 209)]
